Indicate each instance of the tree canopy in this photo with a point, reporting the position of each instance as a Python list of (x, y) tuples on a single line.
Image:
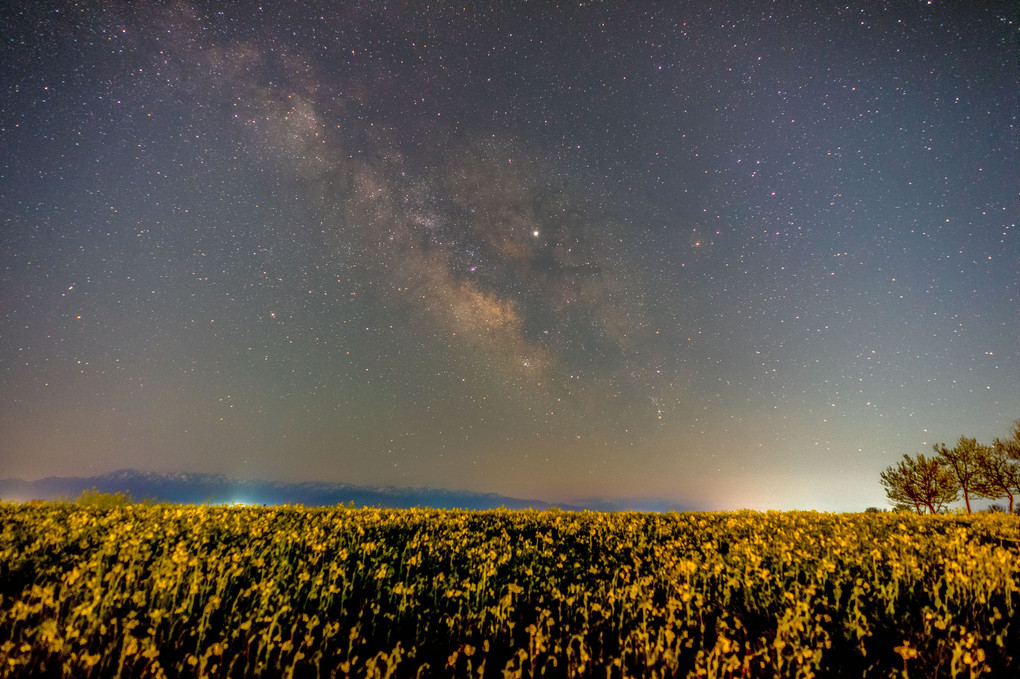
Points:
[(920, 483), (969, 469)]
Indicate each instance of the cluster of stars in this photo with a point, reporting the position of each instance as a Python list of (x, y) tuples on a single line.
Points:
[(698, 241)]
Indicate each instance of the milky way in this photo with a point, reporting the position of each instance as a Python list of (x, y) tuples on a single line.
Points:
[(720, 255)]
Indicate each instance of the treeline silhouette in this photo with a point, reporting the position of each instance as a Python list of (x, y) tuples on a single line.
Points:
[(967, 471)]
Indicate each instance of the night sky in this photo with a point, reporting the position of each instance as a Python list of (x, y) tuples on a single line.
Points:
[(722, 254)]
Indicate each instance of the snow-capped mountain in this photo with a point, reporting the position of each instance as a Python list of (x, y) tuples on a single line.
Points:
[(200, 488)]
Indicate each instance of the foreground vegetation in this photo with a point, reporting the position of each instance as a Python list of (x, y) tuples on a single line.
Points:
[(163, 590)]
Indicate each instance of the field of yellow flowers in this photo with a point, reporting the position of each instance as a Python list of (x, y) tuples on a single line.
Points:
[(198, 591)]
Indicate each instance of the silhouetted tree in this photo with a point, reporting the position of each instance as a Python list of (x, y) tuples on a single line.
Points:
[(1000, 473), (901, 486), (920, 482), (1011, 445), (966, 462)]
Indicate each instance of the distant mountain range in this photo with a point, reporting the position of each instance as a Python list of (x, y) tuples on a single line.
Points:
[(193, 488)]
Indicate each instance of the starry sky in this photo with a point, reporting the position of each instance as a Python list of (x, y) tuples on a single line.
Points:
[(722, 254)]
